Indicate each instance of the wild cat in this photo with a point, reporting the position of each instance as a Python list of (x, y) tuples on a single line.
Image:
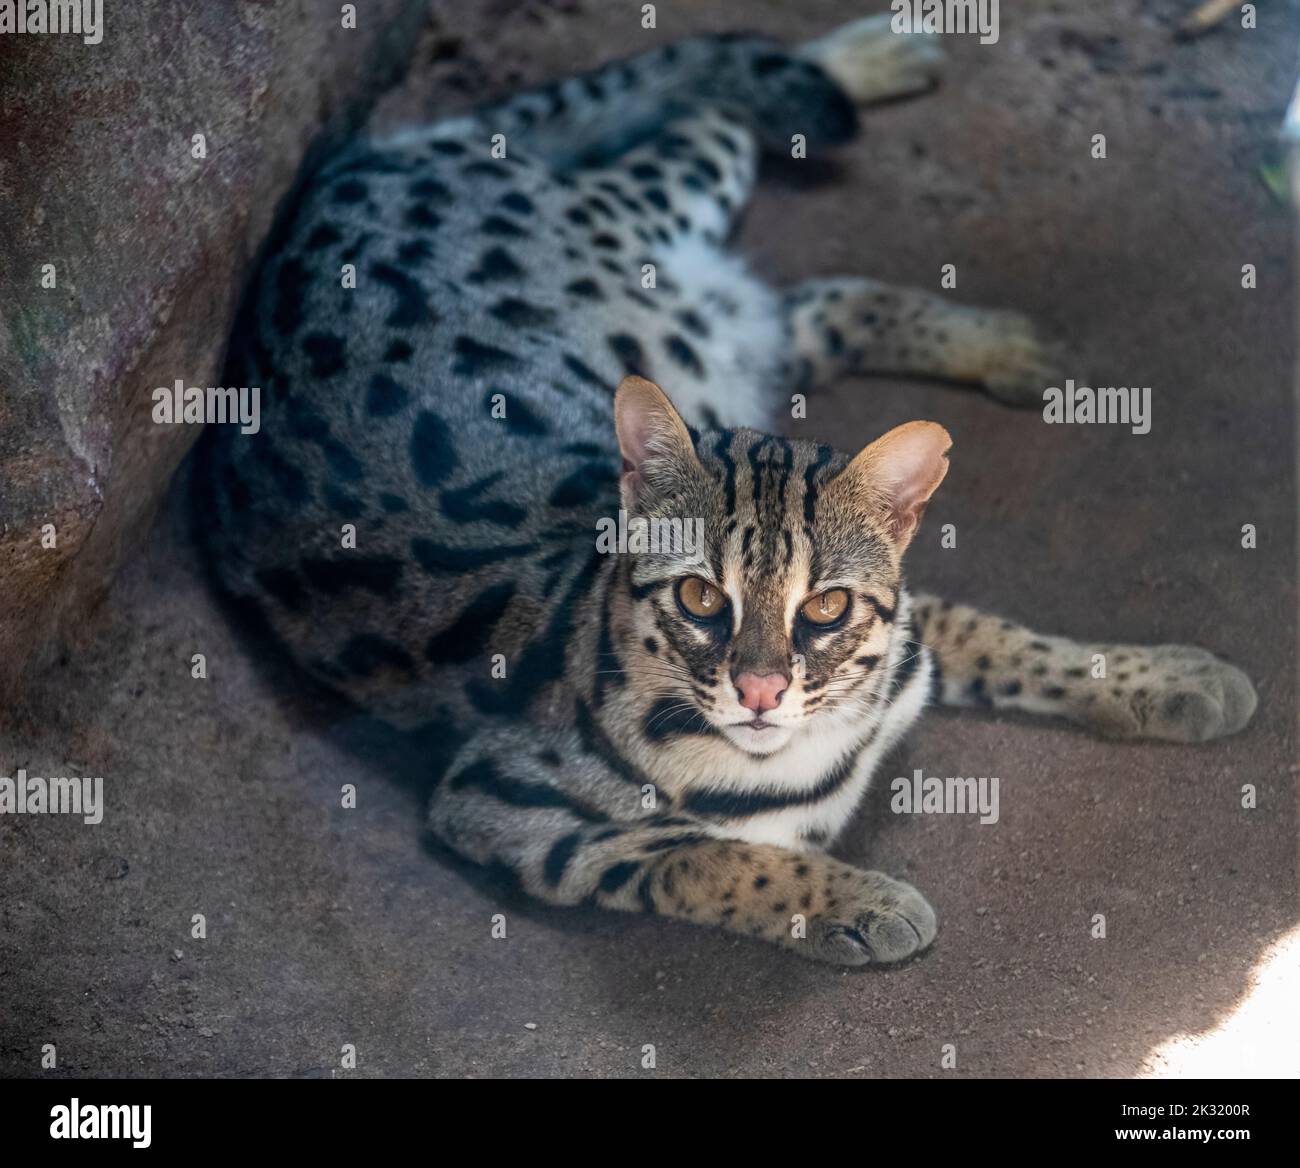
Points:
[(444, 432)]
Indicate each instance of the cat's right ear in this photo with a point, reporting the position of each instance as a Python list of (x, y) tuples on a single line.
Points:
[(657, 450)]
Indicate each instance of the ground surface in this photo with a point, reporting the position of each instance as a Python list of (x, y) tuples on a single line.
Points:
[(327, 926)]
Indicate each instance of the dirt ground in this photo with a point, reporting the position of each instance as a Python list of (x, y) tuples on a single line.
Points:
[(328, 926)]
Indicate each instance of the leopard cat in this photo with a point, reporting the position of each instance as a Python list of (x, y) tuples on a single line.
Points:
[(683, 731)]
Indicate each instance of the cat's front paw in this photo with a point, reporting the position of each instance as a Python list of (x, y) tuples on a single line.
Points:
[(1184, 694), (874, 920), (1019, 362)]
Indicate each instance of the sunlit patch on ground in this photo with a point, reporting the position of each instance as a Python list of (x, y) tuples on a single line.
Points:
[(1260, 1039)]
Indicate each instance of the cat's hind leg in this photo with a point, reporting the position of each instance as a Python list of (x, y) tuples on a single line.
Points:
[(854, 325), (1174, 692), (693, 177)]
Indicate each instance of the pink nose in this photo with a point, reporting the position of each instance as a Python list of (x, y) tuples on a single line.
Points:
[(761, 694)]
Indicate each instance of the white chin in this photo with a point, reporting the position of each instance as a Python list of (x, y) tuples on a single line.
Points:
[(767, 741)]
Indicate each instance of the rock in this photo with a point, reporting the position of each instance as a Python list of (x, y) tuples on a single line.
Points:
[(122, 258)]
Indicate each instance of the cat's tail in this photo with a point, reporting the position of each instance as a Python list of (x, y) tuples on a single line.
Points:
[(592, 118), (870, 62)]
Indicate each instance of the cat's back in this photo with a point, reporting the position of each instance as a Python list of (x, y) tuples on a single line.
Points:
[(433, 449)]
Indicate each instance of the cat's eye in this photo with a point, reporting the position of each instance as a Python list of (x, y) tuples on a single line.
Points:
[(826, 607), (699, 598)]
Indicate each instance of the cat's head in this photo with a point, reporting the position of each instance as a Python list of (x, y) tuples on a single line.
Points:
[(774, 608)]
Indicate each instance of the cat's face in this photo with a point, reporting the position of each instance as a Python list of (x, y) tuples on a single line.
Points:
[(777, 612)]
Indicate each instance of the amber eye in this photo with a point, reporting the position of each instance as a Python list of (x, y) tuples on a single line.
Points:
[(699, 598), (826, 607)]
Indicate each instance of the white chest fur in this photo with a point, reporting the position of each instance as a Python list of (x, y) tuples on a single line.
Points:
[(804, 795)]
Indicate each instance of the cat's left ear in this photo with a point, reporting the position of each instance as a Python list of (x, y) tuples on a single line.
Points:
[(658, 454), (895, 476)]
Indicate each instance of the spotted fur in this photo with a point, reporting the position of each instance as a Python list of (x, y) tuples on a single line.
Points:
[(458, 408)]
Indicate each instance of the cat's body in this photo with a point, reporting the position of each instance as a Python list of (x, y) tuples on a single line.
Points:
[(456, 406)]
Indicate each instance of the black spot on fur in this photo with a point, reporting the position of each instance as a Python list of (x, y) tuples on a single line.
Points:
[(433, 190), (617, 875), (628, 350), (520, 314), (641, 298), (499, 225), (583, 486), (668, 719), (495, 264), (350, 191), (422, 217), (342, 461), (474, 358), (557, 859), (693, 322), (519, 203), (520, 418), (583, 370), (385, 396), (377, 574), (486, 170), (467, 505), (290, 283), (442, 560), (323, 236), (357, 246), (883, 611), (411, 307), (433, 456), (586, 288), (770, 63), (288, 479), (415, 251), (325, 352), (684, 355), (469, 635), (486, 776)]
